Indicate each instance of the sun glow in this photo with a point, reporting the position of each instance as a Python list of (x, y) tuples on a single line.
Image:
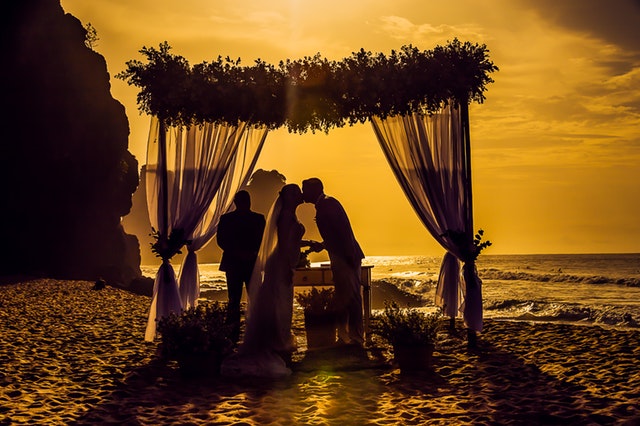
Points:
[(559, 125)]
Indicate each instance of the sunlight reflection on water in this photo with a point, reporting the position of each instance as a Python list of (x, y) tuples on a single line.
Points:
[(599, 288)]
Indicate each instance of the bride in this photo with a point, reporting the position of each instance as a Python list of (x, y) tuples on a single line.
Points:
[(268, 335)]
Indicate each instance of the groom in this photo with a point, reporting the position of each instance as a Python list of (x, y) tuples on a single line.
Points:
[(239, 236), (346, 257)]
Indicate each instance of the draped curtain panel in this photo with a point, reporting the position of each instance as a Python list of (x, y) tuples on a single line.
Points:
[(190, 184), (428, 157)]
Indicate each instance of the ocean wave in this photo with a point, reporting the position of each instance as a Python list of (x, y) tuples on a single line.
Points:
[(207, 283), (541, 311), (385, 261), (418, 287), (497, 274)]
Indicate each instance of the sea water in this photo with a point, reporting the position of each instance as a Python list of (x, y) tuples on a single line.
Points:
[(582, 288)]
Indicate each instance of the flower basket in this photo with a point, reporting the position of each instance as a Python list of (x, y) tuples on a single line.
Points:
[(411, 333), (319, 317), (197, 338)]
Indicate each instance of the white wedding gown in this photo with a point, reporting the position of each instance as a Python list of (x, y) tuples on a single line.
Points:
[(268, 327)]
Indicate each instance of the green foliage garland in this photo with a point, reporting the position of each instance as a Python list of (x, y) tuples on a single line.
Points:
[(312, 93)]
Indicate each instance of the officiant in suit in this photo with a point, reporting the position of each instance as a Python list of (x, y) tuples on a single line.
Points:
[(346, 259), (239, 236)]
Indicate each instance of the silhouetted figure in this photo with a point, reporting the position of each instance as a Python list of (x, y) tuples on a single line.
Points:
[(268, 342), (239, 236), (346, 259)]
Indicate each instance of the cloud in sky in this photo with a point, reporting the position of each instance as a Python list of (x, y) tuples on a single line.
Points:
[(613, 21), (556, 146), (405, 31)]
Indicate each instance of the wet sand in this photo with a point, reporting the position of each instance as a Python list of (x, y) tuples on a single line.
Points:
[(73, 355)]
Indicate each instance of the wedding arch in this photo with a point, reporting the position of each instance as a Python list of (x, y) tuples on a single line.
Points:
[(210, 121)]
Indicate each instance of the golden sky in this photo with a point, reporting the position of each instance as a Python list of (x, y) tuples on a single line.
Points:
[(555, 147)]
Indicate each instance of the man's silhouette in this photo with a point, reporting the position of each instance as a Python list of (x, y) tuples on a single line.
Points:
[(239, 236), (346, 259)]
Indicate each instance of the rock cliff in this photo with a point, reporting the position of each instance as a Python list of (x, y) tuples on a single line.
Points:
[(67, 176)]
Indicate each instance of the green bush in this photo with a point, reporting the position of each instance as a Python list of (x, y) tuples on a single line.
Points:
[(195, 331), (407, 326)]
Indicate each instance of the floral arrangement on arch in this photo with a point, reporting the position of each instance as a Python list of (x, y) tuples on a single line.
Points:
[(312, 93), (470, 249), (166, 247)]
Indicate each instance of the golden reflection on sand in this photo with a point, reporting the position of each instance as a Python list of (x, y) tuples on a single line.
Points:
[(71, 355)]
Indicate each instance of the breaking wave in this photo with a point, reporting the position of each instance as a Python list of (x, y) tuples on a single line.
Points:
[(541, 311), (496, 274)]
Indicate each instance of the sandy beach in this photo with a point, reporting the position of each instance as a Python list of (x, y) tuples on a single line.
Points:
[(73, 355)]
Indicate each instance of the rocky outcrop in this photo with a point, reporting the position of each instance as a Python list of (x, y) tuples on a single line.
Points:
[(67, 176)]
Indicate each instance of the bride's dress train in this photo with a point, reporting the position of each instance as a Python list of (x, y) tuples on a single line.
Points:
[(267, 336), (264, 363)]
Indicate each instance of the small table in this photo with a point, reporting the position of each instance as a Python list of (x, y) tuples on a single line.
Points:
[(322, 276)]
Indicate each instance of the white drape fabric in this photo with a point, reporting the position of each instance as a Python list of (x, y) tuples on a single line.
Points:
[(427, 155), (267, 248), (205, 165)]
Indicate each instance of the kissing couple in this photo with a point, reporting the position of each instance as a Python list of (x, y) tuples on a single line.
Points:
[(268, 340)]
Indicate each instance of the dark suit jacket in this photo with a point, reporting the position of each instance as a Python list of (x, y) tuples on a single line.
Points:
[(239, 236), (335, 229)]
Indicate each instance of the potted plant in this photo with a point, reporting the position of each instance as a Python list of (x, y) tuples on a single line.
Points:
[(411, 333), (197, 338), (319, 316)]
